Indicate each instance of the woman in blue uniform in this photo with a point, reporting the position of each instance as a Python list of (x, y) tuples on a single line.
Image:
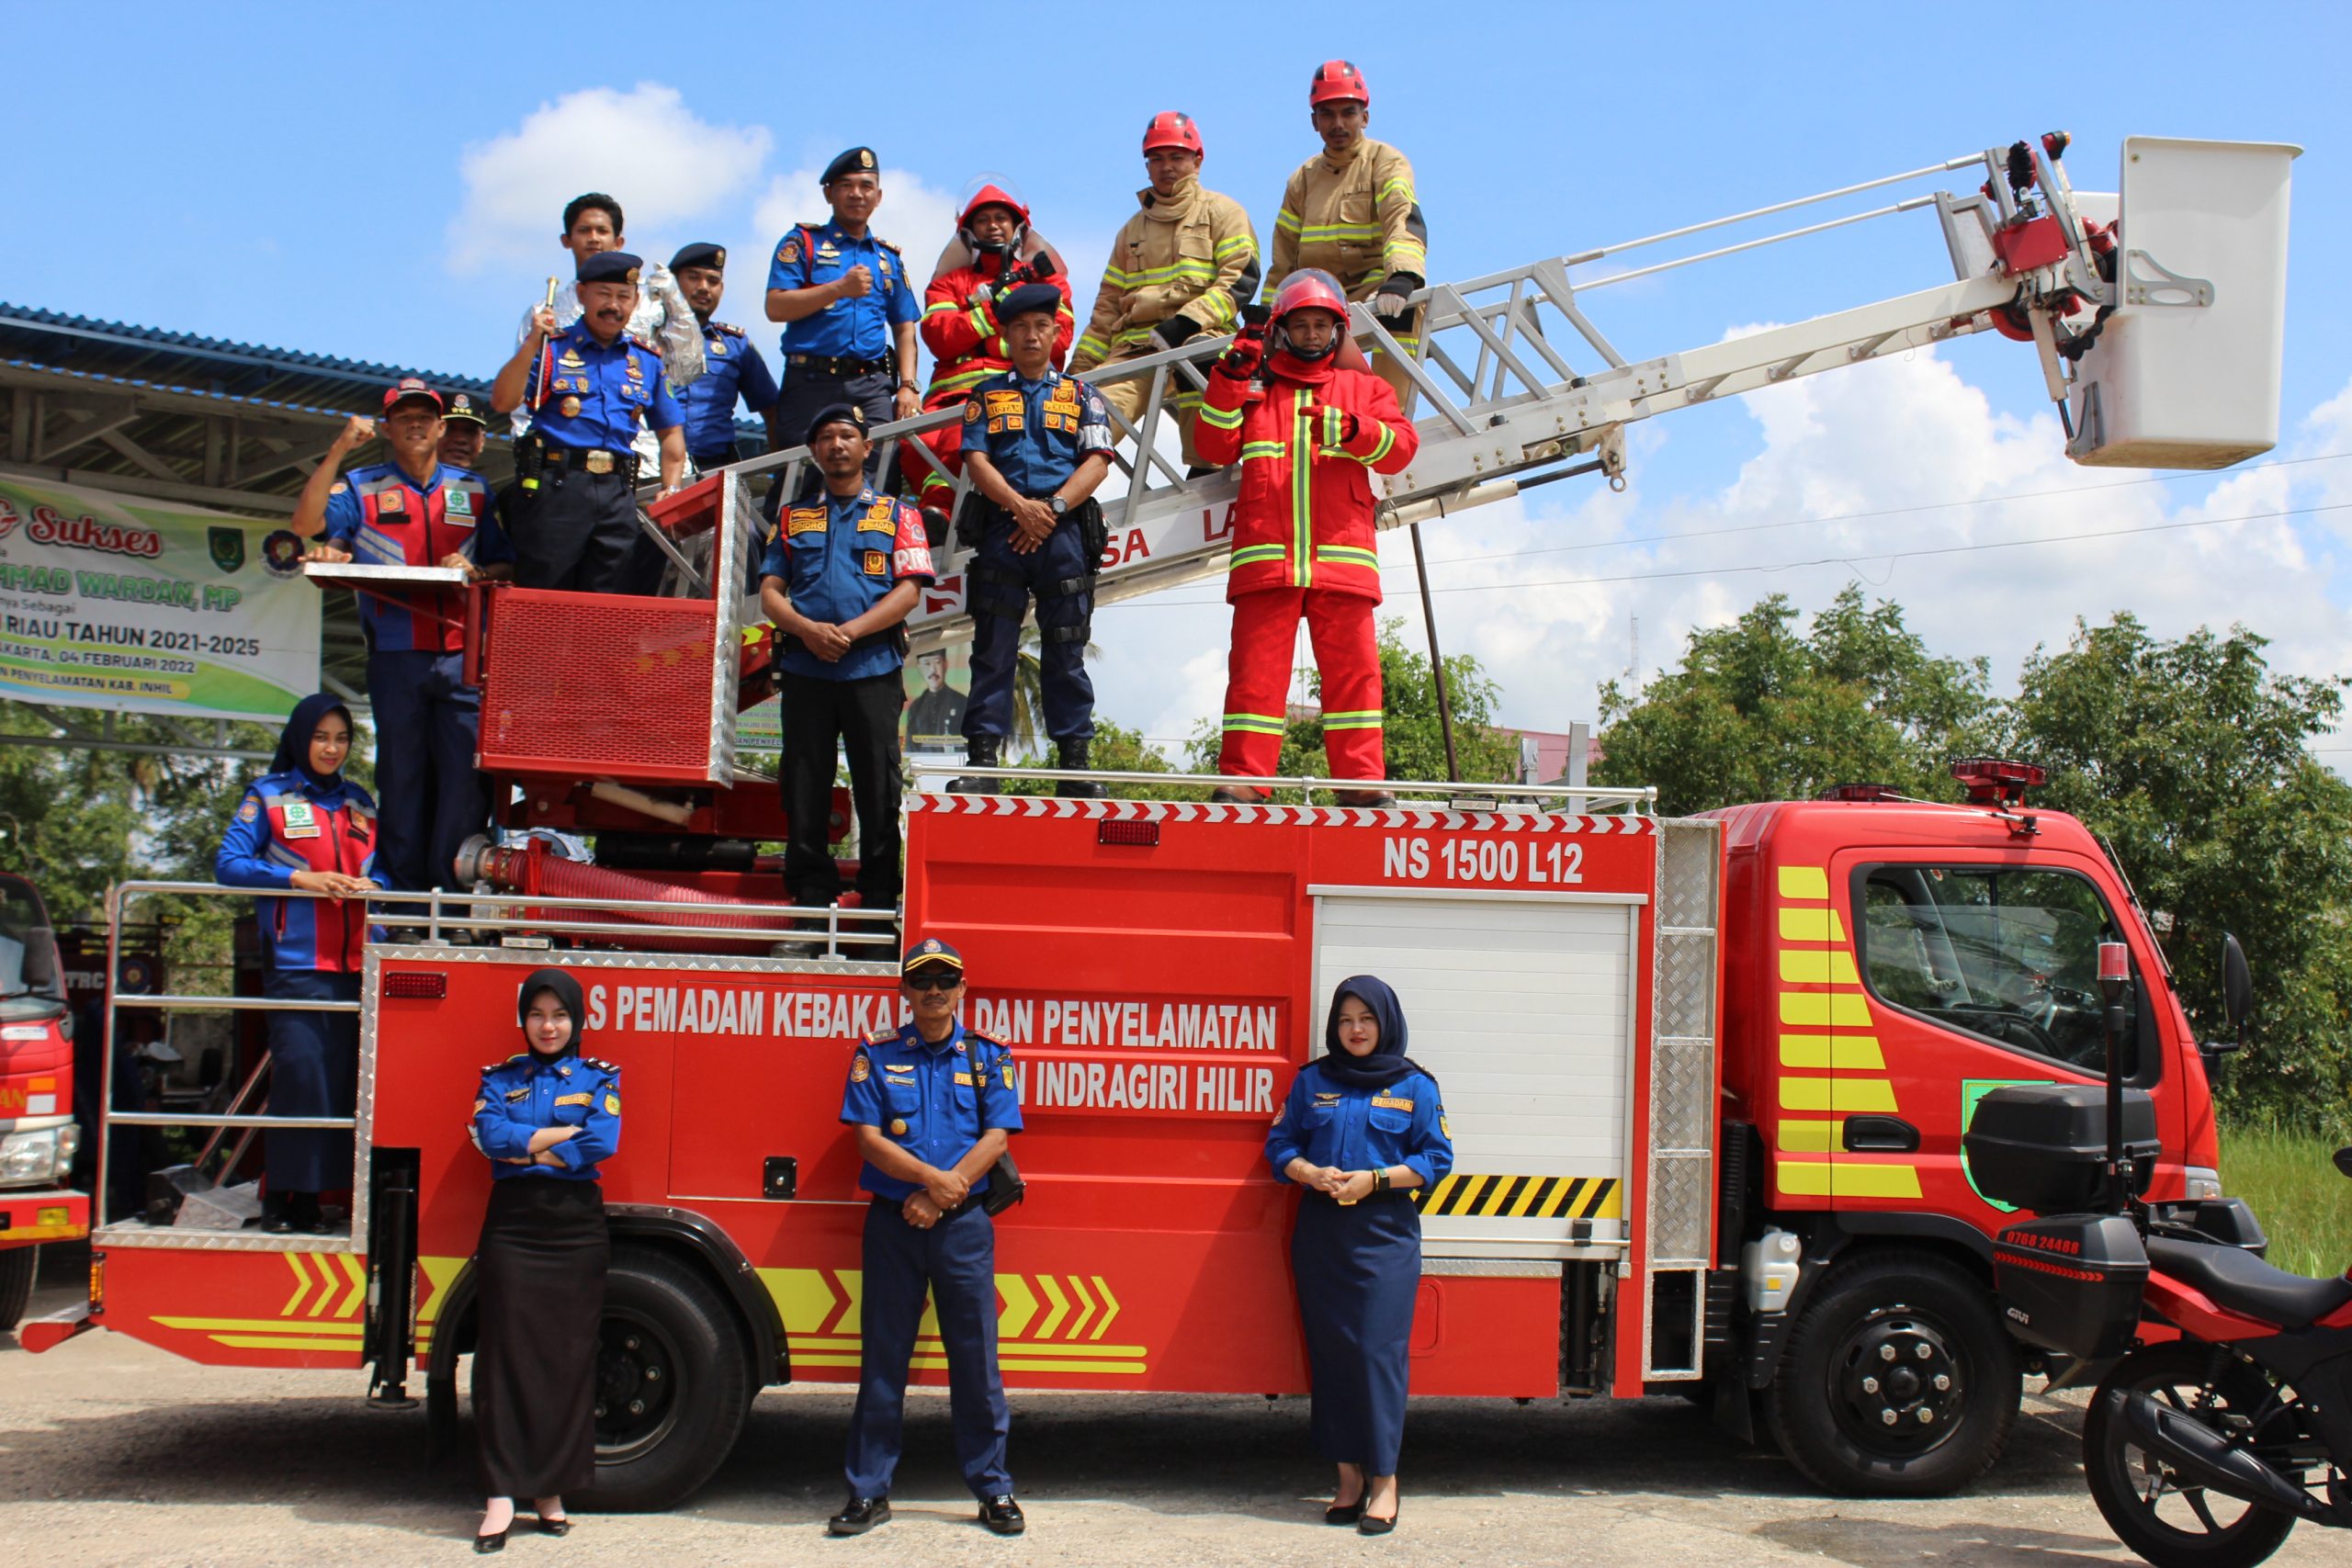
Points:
[(545, 1119), (1361, 1128), (303, 827)]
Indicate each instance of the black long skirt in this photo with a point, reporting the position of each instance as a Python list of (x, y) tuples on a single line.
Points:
[(542, 1256), (1359, 1272)]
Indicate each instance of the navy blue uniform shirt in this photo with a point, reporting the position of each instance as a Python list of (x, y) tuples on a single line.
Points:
[(934, 1101), (838, 558), (1036, 433), (846, 329), (586, 393), (522, 1094), (732, 368), (1329, 1124)]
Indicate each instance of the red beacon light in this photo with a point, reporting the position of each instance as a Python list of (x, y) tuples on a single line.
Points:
[(1996, 780)]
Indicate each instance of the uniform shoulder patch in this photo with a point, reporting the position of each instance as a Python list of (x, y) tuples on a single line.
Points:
[(879, 1037), (888, 245), (599, 1063), (990, 1041), (724, 327)]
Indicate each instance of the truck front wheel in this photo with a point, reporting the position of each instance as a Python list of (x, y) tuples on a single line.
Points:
[(17, 1265), (673, 1382), (1898, 1379)]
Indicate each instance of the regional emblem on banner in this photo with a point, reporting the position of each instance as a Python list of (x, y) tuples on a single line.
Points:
[(7, 517), (227, 547)]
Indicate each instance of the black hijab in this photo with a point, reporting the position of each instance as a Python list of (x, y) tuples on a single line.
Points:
[(294, 742), (567, 991), (1388, 1063)]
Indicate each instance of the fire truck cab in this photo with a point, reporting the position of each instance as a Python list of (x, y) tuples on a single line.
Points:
[(39, 1136)]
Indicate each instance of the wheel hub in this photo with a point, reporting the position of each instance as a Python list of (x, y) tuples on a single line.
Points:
[(636, 1380), (1897, 1387)]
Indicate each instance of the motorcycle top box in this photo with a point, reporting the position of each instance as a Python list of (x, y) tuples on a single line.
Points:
[(2072, 1283), (2044, 1146)]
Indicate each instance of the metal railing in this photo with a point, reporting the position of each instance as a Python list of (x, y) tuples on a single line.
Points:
[(1574, 798), (443, 916)]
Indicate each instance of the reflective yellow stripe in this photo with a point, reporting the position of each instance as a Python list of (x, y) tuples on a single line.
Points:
[(1302, 518), (944, 308), (1351, 720), (1348, 554), (1387, 444), (1254, 723), (1843, 1095), (1251, 448), (1286, 220), (1398, 185), (1233, 244), (1093, 346), (1230, 418), (1252, 554)]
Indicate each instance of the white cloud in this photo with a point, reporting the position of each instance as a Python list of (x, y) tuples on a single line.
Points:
[(644, 146), (1862, 464), (916, 217)]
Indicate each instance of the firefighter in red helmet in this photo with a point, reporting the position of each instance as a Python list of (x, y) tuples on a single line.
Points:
[(1351, 210), (1186, 263), (1310, 434), (995, 252)]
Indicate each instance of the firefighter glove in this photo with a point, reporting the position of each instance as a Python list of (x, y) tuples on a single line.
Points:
[(1240, 362), (1175, 330), (1390, 304)]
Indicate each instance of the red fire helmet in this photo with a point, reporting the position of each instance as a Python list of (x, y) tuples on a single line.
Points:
[(1173, 128), (1338, 79), (1310, 288), (990, 193)]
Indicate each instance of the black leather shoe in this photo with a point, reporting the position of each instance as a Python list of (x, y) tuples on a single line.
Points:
[(1373, 1524), (1073, 755), (1348, 1513), (980, 752), (1239, 794), (556, 1527), (858, 1516), (1003, 1515), (1377, 798), (492, 1543), (277, 1224)]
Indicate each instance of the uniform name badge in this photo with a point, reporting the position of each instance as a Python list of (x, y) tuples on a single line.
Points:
[(301, 822), (717, 348)]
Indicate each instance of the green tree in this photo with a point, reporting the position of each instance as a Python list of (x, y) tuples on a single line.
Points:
[(1414, 741), (1117, 750), (1761, 711), (2189, 758)]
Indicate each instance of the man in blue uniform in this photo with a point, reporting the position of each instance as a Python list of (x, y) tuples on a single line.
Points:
[(732, 368), (848, 308), (589, 387), (465, 430), (413, 511), (1035, 444), (838, 580), (934, 1104)]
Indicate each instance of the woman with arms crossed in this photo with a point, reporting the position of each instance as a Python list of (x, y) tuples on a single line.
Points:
[(1362, 1127)]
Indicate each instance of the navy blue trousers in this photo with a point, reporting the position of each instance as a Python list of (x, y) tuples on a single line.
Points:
[(1358, 1270), (313, 1071), (428, 796), (957, 1261), (1001, 584)]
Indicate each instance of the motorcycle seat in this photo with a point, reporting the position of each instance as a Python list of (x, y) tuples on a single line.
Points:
[(2237, 1281)]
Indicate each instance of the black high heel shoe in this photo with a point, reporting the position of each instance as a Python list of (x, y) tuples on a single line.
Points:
[(1373, 1524), (492, 1543), (559, 1526), (1347, 1514)]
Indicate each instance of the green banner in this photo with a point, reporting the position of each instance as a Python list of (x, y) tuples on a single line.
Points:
[(111, 602)]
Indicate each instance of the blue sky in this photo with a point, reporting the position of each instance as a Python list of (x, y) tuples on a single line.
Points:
[(385, 184)]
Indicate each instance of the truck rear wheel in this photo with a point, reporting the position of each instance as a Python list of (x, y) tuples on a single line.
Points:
[(1898, 1379), (17, 1265), (673, 1382)]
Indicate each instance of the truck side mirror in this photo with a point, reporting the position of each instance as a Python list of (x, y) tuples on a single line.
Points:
[(2237, 985), (2344, 1161), (41, 967)]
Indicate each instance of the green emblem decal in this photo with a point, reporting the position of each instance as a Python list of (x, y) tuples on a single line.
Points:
[(227, 547)]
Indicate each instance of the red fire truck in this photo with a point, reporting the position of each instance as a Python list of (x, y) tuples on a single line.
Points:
[(39, 1137), (1706, 1077)]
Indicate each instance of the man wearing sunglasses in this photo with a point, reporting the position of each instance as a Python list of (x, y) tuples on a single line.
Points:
[(933, 1104)]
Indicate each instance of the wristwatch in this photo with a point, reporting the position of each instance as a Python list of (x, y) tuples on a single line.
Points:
[(1060, 505), (1380, 1179)]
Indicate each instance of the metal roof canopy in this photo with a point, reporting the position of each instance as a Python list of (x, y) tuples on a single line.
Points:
[(171, 416)]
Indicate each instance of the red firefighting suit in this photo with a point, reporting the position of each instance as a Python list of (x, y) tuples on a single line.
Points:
[(1303, 544), (959, 327)]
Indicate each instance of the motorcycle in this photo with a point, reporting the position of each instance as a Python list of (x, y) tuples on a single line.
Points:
[(2228, 1418)]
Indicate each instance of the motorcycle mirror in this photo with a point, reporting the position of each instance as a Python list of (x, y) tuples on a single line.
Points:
[(2238, 984), (2344, 1161)]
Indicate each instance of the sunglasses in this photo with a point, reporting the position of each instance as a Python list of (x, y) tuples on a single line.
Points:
[(934, 980)]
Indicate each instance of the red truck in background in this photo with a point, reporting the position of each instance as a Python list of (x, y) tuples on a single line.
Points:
[(1706, 1079), (39, 1137)]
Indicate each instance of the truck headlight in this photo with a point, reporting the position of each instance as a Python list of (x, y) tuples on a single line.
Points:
[(26, 1158), (2202, 1182)]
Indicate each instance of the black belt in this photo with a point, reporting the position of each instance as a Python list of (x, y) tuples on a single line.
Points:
[(594, 460), (1395, 1194), (825, 365), (898, 1206)]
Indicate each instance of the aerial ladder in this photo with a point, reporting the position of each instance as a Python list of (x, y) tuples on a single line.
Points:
[(2155, 313)]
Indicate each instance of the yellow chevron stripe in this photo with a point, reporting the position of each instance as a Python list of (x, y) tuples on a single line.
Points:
[(1840, 1053), (1818, 967), (1831, 1009), (1809, 882), (1845, 1094), (1848, 1177), (1812, 925)]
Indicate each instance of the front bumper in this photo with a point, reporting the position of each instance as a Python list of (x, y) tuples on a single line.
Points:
[(37, 1215)]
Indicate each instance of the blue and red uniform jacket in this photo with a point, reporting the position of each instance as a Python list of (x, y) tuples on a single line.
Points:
[(380, 515), (286, 824)]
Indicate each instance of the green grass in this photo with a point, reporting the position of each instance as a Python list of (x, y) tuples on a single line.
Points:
[(2289, 1179)]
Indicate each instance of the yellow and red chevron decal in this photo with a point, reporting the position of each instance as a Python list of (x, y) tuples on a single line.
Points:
[(432, 1288), (1824, 1017), (323, 1313), (1045, 1323), (1527, 1197)]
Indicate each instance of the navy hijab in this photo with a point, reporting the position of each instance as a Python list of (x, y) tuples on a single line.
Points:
[(293, 754), (567, 991), (1388, 1063)]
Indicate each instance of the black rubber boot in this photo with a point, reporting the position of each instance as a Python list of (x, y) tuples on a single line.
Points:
[(983, 750), (1072, 754)]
